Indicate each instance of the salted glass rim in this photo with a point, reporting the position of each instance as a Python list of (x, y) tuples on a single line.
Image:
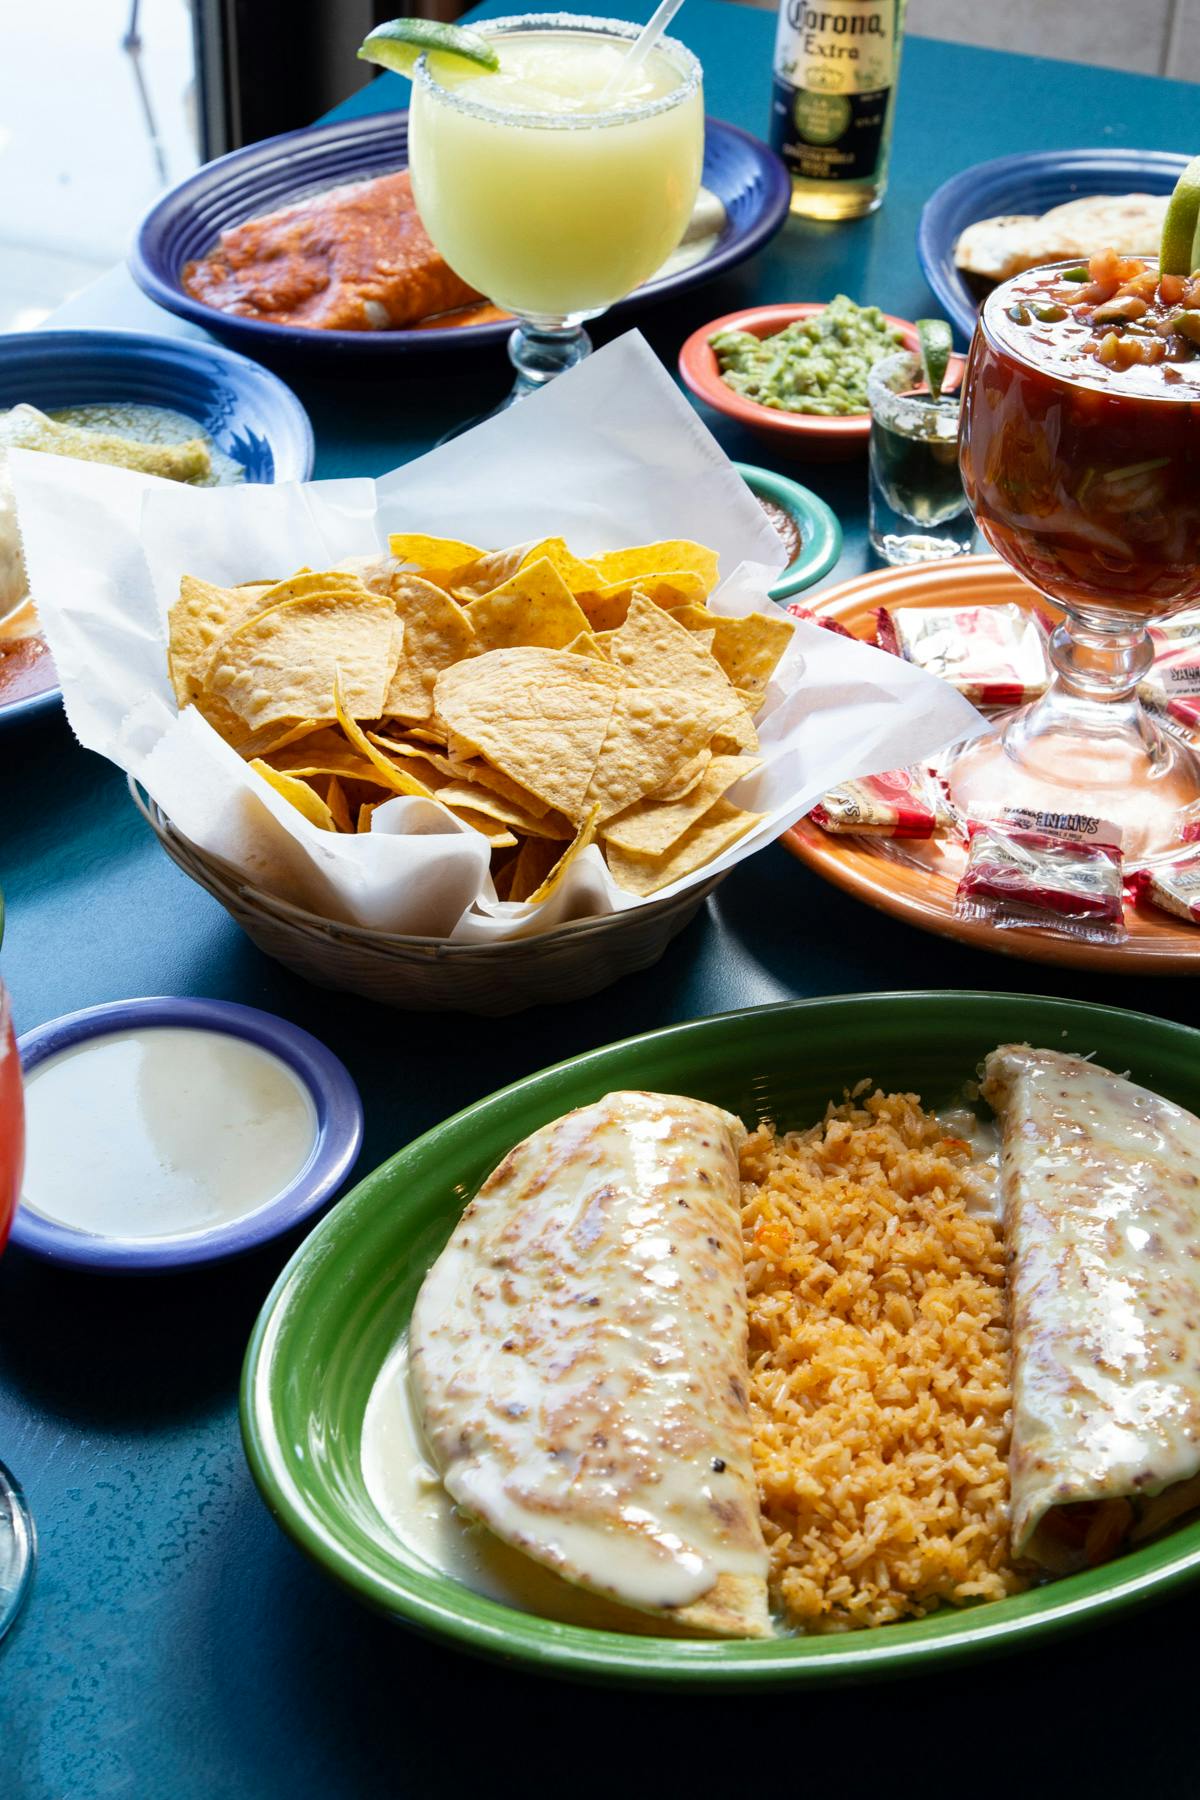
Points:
[(518, 23), (1091, 383)]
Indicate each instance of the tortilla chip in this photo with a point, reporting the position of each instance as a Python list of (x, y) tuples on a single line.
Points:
[(477, 799), (539, 716), (432, 555), (335, 800), (588, 644), (684, 778), (364, 814), (488, 571), (652, 826), (672, 556), (307, 582), (579, 577), (317, 755), (297, 793), (651, 733), (653, 648), (748, 648), (574, 849), (387, 773), (534, 606), (722, 825), (534, 861), (280, 664), (195, 624), (496, 834), (437, 634)]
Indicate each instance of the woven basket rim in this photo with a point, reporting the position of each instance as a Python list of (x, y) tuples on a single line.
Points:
[(223, 875)]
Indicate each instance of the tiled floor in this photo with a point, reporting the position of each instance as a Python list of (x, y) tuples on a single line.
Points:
[(83, 148)]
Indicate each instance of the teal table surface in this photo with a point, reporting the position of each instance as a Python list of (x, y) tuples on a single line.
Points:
[(175, 1644)]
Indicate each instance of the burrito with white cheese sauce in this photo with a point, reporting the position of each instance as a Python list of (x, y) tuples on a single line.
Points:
[(578, 1358)]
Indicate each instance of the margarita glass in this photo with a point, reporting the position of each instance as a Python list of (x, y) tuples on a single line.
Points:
[(16, 1526), (1079, 447), (545, 189)]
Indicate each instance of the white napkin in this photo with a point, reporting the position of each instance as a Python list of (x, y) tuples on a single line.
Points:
[(609, 455)]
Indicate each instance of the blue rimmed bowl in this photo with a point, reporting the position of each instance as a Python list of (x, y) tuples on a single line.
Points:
[(249, 414), (1028, 183), (334, 1151), (749, 179), (820, 531)]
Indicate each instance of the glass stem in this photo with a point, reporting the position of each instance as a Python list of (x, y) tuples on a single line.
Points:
[(1100, 662), (540, 350)]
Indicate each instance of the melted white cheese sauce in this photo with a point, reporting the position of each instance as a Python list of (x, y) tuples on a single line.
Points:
[(161, 1132), (410, 1499)]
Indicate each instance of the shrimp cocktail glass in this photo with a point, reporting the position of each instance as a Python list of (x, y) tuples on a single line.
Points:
[(550, 178), (16, 1527), (1080, 455)]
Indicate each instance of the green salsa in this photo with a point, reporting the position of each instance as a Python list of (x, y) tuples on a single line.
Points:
[(814, 365)]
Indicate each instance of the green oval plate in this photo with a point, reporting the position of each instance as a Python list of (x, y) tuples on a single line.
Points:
[(345, 1297)]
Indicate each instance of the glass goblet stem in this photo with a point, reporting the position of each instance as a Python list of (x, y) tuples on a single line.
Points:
[(540, 349)]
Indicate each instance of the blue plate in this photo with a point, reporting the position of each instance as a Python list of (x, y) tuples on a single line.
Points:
[(333, 1155), (248, 413), (1024, 184), (185, 224)]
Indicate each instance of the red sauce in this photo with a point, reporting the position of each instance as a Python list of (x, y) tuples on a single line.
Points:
[(1081, 471), (26, 668), (356, 258)]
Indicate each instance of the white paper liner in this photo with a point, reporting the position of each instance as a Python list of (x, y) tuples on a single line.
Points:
[(609, 455)]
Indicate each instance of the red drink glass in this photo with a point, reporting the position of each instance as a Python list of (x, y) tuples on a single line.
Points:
[(1080, 453), (16, 1526)]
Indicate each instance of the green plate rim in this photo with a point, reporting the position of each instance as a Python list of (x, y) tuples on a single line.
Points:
[(490, 1629)]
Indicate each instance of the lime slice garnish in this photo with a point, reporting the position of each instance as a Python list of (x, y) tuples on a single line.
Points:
[(933, 336), (399, 43), (1181, 227)]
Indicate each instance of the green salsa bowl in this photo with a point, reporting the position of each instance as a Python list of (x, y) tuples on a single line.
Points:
[(820, 532), (344, 1300)]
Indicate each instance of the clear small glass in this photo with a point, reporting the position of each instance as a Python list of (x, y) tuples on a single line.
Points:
[(919, 511)]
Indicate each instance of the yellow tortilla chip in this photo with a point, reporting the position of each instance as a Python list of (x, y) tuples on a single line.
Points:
[(195, 624), (588, 644), (534, 606), (497, 835), (387, 774), (317, 755), (539, 716), (735, 735), (672, 556), (652, 826), (580, 577), (432, 555), (720, 827), (364, 814), (307, 582), (651, 647), (477, 799), (335, 800), (297, 793), (652, 731), (437, 634), (488, 571), (574, 849), (534, 861), (747, 649), (684, 779), (280, 664)]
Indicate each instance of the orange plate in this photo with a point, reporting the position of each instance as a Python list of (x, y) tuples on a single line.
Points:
[(791, 434), (922, 893)]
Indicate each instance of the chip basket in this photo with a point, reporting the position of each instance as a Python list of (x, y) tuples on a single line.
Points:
[(423, 974)]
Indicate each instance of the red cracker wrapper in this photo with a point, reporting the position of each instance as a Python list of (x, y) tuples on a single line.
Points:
[(1171, 690), (994, 655), (1050, 871), (903, 803), (812, 618), (1172, 887)]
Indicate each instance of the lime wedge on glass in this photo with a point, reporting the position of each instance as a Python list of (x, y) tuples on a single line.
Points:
[(398, 44), (1178, 254), (933, 337)]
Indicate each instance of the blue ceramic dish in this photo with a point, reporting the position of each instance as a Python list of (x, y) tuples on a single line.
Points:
[(247, 412), (820, 532), (1024, 184), (334, 1151), (750, 180)]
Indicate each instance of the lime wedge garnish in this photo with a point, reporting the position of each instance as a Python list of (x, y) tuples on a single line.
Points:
[(1178, 254), (933, 336), (399, 43)]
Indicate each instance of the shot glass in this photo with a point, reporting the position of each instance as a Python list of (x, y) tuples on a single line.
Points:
[(918, 508)]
